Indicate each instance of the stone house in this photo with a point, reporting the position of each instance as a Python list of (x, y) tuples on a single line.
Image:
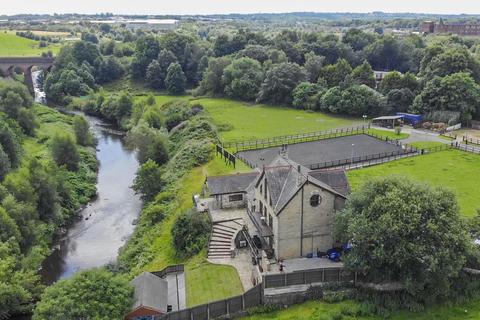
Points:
[(291, 207)]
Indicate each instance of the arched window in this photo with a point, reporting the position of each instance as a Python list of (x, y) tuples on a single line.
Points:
[(315, 200)]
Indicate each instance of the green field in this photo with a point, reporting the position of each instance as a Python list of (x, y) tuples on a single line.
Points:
[(348, 310), (238, 120), (453, 169), (14, 46), (262, 121)]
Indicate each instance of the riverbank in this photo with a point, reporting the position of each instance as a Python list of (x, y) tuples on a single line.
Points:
[(102, 227)]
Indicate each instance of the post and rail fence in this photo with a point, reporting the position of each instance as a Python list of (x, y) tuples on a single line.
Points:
[(293, 138)]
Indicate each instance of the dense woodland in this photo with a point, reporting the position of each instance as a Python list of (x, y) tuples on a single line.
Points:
[(47, 171), (305, 70), (316, 71)]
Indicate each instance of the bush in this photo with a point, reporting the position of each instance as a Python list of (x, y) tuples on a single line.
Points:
[(148, 181), (92, 294), (82, 131), (64, 152), (190, 233)]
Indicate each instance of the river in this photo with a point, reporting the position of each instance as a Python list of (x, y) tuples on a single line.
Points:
[(102, 227)]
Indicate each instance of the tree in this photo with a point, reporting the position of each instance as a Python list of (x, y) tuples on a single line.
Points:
[(363, 74), (27, 121), (388, 53), (154, 75), (8, 227), (107, 70), (92, 294), (405, 232), (10, 144), (148, 181), (400, 100), (357, 39), (243, 78), (165, 59), (151, 144), (5, 165), (279, 83), (457, 92), (335, 74), (307, 96), (313, 66), (211, 82), (82, 131), (257, 52), (146, 50), (175, 80), (395, 80), (190, 233), (451, 60), (64, 152)]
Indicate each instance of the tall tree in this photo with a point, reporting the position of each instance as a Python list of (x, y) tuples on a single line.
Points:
[(175, 80), (280, 82), (363, 74), (243, 78), (405, 232)]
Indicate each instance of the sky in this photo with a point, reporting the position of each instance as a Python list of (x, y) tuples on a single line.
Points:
[(236, 6)]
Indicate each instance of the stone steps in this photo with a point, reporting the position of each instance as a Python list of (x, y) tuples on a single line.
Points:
[(222, 239)]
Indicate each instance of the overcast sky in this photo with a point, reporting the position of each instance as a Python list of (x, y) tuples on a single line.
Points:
[(236, 6)]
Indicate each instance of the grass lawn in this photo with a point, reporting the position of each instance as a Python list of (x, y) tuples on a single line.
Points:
[(315, 310), (426, 144), (390, 134), (208, 282), (12, 45), (454, 169), (262, 121), (199, 273), (242, 121)]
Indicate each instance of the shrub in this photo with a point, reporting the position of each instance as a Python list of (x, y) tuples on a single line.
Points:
[(64, 152), (190, 233)]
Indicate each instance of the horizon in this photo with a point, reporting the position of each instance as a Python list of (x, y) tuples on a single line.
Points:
[(211, 7)]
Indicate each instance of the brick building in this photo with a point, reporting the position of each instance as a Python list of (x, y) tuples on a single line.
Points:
[(463, 29)]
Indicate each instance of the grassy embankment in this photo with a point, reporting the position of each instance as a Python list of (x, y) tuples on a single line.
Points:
[(348, 310), (12, 45)]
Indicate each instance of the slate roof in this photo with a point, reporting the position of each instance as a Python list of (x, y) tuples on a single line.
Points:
[(336, 179), (283, 181), (234, 183), (285, 177), (150, 291)]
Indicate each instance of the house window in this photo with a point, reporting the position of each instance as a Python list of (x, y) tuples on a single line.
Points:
[(315, 200), (235, 197), (261, 189), (270, 221)]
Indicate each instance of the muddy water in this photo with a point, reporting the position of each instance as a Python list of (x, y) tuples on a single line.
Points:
[(103, 226)]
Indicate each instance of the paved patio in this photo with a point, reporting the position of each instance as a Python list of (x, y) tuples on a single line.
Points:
[(176, 290), (301, 264), (242, 263)]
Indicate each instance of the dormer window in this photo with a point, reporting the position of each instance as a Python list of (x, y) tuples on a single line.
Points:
[(315, 200)]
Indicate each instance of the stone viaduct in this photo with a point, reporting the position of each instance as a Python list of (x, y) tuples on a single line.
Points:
[(24, 64)]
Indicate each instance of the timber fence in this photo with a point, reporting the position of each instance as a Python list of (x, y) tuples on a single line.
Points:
[(320, 275), (469, 140), (170, 269), (294, 138), (212, 310)]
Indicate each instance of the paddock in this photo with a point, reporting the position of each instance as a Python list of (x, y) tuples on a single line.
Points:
[(326, 150)]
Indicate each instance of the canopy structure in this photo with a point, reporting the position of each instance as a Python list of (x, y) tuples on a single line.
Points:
[(388, 121), (413, 119)]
